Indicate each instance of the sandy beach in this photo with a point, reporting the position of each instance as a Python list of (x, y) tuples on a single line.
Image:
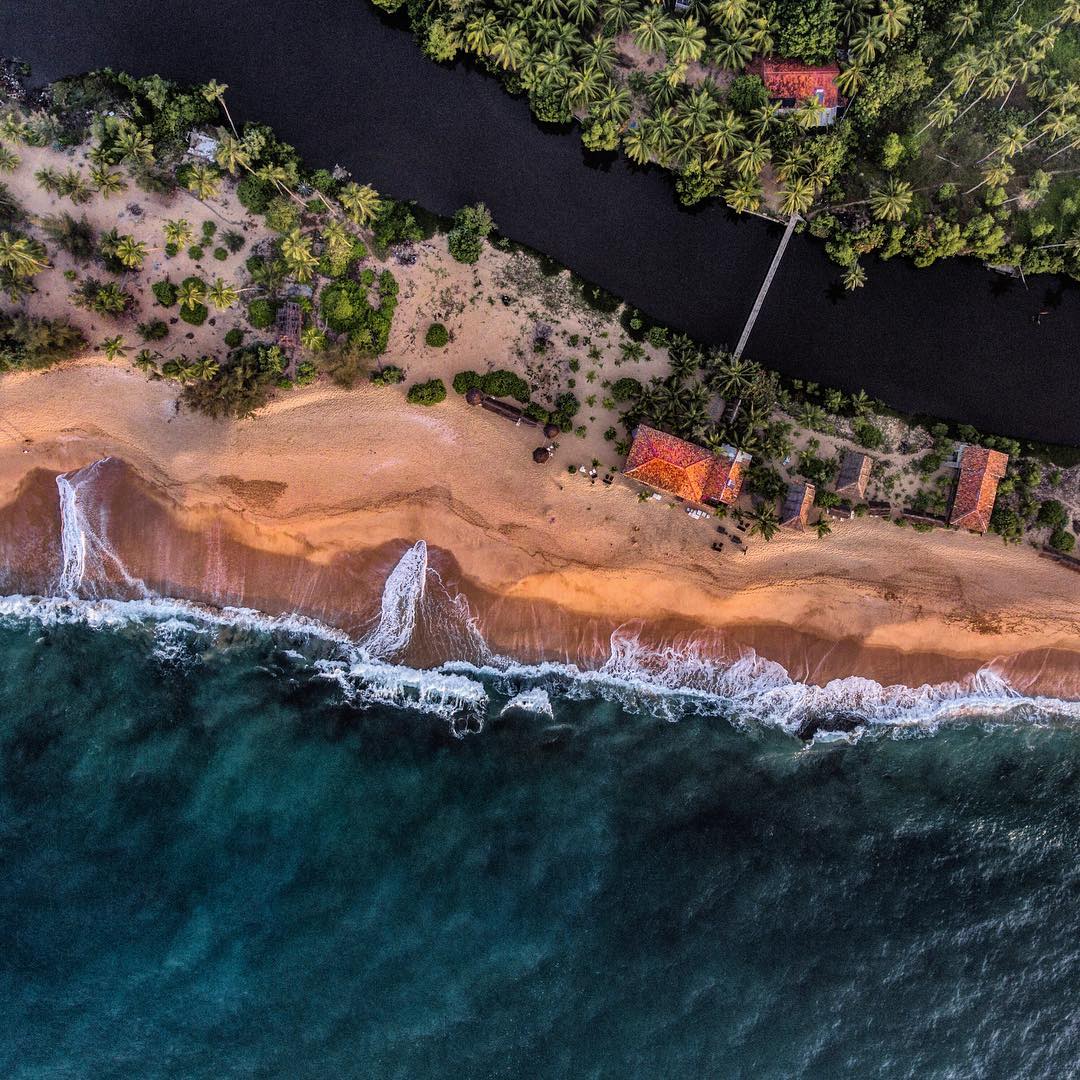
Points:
[(550, 562)]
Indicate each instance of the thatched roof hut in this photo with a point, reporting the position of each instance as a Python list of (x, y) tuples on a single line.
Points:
[(552, 431), (473, 396), (541, 455), (796, 508)]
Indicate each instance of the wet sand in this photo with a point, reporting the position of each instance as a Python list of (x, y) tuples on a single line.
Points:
[(307, 508)]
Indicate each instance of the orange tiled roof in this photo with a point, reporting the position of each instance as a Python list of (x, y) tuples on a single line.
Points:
[(675, 465), (790, 79), (976, 489)]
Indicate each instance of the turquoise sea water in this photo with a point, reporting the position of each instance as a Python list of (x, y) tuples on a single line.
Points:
[(212, 864)]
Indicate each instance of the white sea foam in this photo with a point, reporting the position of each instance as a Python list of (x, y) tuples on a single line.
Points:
[(535, 700), (401, 598)]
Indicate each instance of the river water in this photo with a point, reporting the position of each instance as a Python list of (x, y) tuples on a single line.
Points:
[(344, 86)]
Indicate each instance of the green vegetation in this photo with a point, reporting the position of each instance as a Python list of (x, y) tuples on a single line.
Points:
[(388, 376), (348, 308), (961, 136), (261, 313), (503, 383), (27, 342), (429, 393), (472, 225), (464, 381), (164, 292), (436, 336)]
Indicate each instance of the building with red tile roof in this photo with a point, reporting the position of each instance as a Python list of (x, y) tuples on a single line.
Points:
[(681, 468), (976, 487), (796, 508), (792, 82)]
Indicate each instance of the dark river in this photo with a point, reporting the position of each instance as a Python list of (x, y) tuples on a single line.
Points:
[(954, 340)]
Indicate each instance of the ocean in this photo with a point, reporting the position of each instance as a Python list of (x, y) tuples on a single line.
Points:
[(232, 845)]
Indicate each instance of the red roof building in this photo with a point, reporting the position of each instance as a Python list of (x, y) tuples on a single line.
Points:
[(679, 467), (793, 82), (976, 488)]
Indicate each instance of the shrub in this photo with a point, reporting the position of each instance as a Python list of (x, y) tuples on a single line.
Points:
[(196, 315), (171, 250), (261, 313), (282, 215), (429, 393), (209, 229), (472, 224), (154, 330), (390, 376), (464, 381), (1053, 514), (536, 412), (566, 408), (164, 292), (220, 254), (347, 309), (503, 383), (436, 336), (1061, 540), (868, 435), (242, 383), (747, 93), (626, 389), (234, 338), (233, 240), (254, 194), (599, 299), (195, 252)]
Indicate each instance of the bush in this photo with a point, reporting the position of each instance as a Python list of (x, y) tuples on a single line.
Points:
[(599, 299), (503, 383), (626, 389), (164, 292), (866, 434), (747, 93), (390, 376), (464, 381), (154, 330), (282, 215), (209, 230), (347, 309), (1062, 541), (536, 412), (242, 384), (436, 336), (254, 194), (220, 254), (171, 250), (429, 393), (472, 224), (1053, 514), (196, 315), (261, 313), (195, 252), (234, 338)]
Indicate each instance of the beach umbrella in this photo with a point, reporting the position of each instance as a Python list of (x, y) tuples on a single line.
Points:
[(552, 431), (541, 455), (474, 397)]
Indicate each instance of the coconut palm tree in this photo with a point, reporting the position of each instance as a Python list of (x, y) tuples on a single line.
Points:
[(203, 181), (113, 347), (637, 145), (794, 162), (763, 521), (582, 12), (107, 181), (895, 16), (20, 256), (763, 117), (964, 20), (296, 251), (650, 30), (892, 201), (868, 42), (734, 377), (231, 155), (759, 34), (191, 293), (133, 145), (599, 52), (48, 179), (145, 360), (613, 103), (617, 15), (313, 338), (222, 294), (823, 528), (861, 403), (798, 196), (696, 111), (808, 114), (744, 195), (215, 91), (854, 278), (9, 160), (730, 12), (338, 240), (724, 137), (733, 50), (508, 45), (851, 80), (204, 369), (686, 41), (177, 232), (130, 252), (584, 85), (752, 158), (361, 202)]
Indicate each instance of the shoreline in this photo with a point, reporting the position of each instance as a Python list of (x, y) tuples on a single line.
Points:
[(308, 507)]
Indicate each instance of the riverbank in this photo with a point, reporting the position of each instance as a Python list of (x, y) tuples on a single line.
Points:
[(306, 508)]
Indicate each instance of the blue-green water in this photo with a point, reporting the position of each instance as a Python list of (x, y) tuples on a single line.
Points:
[(212, 865)]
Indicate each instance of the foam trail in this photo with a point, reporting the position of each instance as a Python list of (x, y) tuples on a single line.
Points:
[(535, 700), (84, 550), (401, 599)]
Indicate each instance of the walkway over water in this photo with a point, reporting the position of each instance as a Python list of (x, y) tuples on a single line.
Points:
[(764, 290), (954, 340)]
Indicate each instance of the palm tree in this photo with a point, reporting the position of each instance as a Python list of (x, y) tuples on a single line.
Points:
[(763, 117), (860, 403), (851, 80), (130, 252), (835, 401), (232, 155), (854, 278), (191, 294), (613, 103), (724, 136), (132, 144), (222, 295), (296, 251), (649, 31), (75, 236), (508, 45), (114, 347), (202, 181), (963, 21), (752, 158), (480, 32), (361, 202), (733, 50), (177, 232), (204, 369), (581, 11), (48, 179), (9, 160), (144, 361), (697, 110), (584, 85), (868, 41), (731, 12), (107, 181), (637, 145), (744, 195), (798, 196), (895, 15), (215, 91), (686, 41), (891, 202), (616, 15), (312, 338), (20, 256), (823, 528), (599, 53), (763, 521), (808, 114), (733, 378)]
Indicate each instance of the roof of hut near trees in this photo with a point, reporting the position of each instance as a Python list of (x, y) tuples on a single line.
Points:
[(796, 509), (674, 465), (854, 475), (790, 80), (976, 488)]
